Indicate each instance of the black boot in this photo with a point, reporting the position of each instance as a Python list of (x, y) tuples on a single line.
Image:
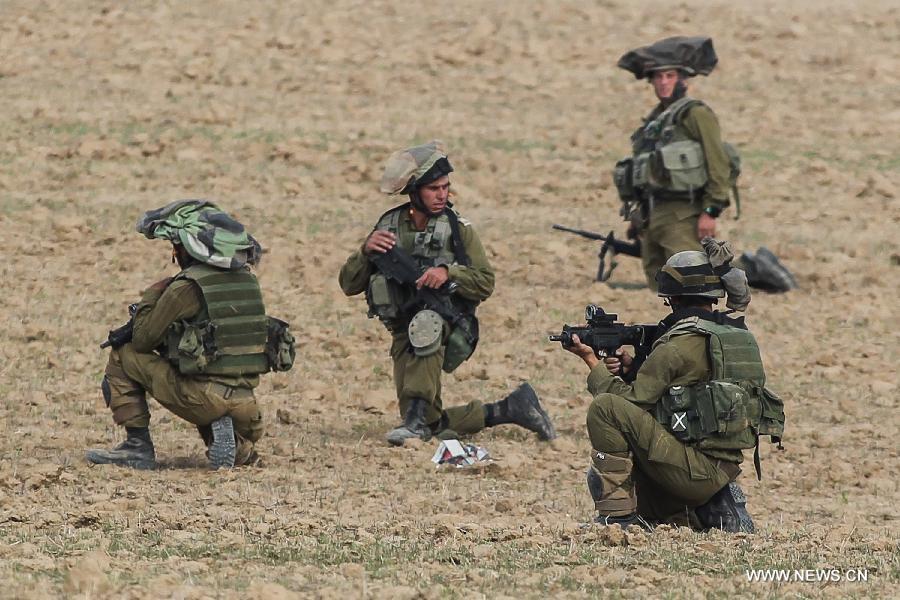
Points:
[(765, 271), (136, 451), (522, 408), (414, 425), (726, 510)]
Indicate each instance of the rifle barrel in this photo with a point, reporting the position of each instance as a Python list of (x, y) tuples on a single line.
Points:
[(587, 234)]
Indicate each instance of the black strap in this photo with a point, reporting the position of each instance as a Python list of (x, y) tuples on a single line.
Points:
[(459, 251), (756, 462)]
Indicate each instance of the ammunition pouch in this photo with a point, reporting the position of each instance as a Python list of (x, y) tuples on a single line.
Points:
[(385, 298), (623, 177), (712, 415), (642, 171), (461, 343), (771, 420), (683, 166), (190, 346), (280, 345), (192, 349)]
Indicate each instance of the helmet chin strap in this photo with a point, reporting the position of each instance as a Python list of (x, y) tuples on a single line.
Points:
[(416, 201)]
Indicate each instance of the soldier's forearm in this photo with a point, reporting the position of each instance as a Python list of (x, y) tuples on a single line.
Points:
[(355, 273), (474, 284)]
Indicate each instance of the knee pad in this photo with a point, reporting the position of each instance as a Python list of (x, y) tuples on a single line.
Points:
[(594, 484)]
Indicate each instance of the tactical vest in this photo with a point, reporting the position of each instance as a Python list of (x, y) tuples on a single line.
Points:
[(228, 337), (733, 408), (666, 160), (432, 247), (667, 164)]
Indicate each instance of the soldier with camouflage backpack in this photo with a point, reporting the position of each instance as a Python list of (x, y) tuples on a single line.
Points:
[(676, 183), (198, 341), (437, 330)]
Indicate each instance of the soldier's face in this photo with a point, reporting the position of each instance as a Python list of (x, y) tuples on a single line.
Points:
[(664, 83), (434, 195)]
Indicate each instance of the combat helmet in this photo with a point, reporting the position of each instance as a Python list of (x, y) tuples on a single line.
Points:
[(207, 233), (690, 55), (689, 273), (407, 170)]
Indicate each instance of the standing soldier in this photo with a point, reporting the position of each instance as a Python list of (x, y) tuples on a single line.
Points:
[(677, 181), (668, 436), (450, 261), (199, 341)]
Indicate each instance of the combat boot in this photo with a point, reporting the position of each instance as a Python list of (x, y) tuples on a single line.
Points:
[(610, 484), (414, 425), (136, 452), (222, 448), (726, 510), (523, 408), (765, 271)]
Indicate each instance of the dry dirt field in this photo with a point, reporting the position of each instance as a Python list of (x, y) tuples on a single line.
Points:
[(284, 112)]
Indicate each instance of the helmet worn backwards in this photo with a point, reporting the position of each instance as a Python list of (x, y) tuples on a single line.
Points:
[(689, 273), (409, 169)]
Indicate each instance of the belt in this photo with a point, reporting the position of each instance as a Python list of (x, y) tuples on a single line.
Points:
[(228, 392)]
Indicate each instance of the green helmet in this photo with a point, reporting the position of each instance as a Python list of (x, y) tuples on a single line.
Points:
[(689, 273), (407, 169), (208, 233)]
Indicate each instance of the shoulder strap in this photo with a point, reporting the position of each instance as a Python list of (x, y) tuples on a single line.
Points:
[(681, 107), (396, 211), (459, 250)]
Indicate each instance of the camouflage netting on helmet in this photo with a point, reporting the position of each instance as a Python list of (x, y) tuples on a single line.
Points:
[(734, 280), (693, 55), (405, 167), (208, 234)]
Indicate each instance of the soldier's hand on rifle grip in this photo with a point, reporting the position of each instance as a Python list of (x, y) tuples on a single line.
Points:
[(619, 363), (433, 278), (379, 241)]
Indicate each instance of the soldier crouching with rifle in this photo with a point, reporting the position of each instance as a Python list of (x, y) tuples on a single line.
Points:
[(197, 342), (668, 434), (424, 272)]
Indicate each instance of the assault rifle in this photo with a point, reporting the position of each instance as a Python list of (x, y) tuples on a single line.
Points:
[(398, 265), (121, 335), (610, 243), (604, 335)]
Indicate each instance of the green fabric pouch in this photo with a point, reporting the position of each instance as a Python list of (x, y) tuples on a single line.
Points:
[(280, 345), (461, 343), (685, 165)]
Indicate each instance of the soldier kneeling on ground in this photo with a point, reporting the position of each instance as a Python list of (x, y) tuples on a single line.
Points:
[(431, 316), (198, 341), (668, 435)]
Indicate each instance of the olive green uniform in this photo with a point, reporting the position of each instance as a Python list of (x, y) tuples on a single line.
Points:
[(136, 368), (670, 223), (669, 476), (416, 376)]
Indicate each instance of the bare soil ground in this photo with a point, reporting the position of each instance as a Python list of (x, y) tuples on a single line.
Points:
[(284, 112)]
